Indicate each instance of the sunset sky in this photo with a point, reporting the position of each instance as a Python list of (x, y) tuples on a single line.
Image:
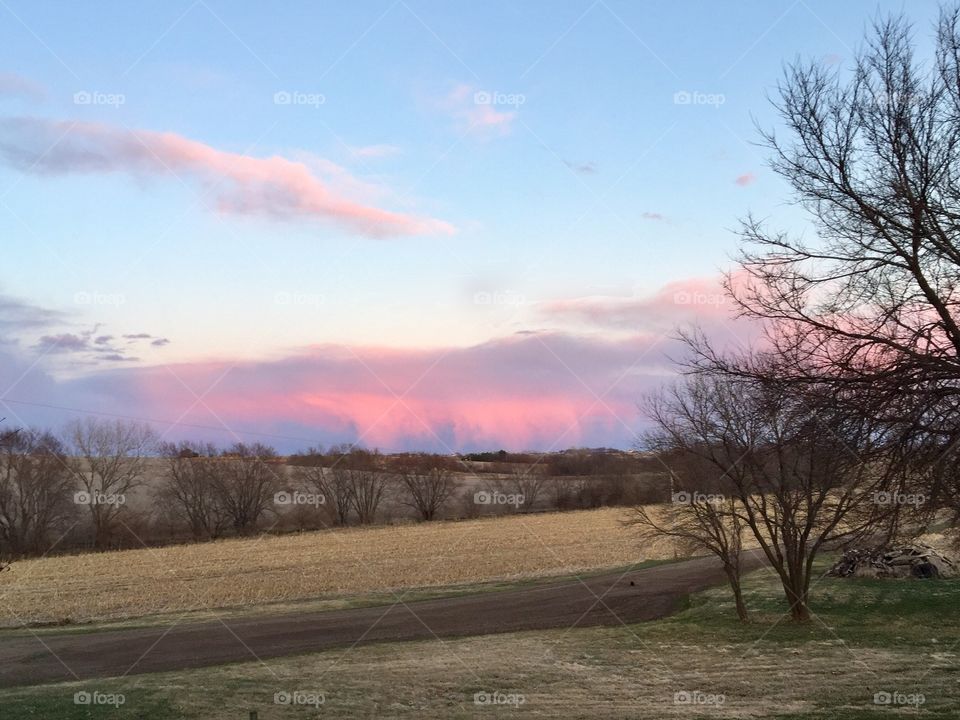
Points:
[(411, 224)]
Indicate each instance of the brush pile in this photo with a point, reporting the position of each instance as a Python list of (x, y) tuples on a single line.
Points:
[(918, 561)]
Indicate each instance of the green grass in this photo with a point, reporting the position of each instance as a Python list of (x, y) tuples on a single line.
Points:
[(60, 704), (867, 636), (875, 613)]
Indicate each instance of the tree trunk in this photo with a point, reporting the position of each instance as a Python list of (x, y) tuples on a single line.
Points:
[(101, 531), (797, 597), (733, 576)]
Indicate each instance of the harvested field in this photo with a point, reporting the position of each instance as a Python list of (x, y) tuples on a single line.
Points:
[(268, 569)]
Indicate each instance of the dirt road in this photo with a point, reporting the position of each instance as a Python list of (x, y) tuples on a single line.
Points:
[(600, 600)]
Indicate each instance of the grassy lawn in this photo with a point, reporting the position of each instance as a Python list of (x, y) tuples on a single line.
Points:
[(868, 637)]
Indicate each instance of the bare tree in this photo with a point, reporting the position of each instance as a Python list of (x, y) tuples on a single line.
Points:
[(527, 483), (429, 484), (193, 486), (564, 492), (310, 472), (336, 488), (804, 475), (246, 484), (36, 492), (109, 461), (871, 307), (6, 437), (367, 487), (356, 476), (700, 523)]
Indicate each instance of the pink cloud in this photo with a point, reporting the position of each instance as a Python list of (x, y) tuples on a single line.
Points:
[(273, 187), (652, 216), (683, 299), (745, 179), (682, 303), (533, 390), (578, 384), (482, 110)]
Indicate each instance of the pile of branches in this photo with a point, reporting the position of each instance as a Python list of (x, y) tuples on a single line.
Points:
[(917, 560)]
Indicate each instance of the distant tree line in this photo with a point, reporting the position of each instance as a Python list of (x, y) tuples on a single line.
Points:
[(114, 484)]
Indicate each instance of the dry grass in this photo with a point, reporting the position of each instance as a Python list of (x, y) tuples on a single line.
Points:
[(765, 670), (592, 673), (134, 583)]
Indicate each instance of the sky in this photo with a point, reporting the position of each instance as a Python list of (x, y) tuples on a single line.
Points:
[(411, 224)]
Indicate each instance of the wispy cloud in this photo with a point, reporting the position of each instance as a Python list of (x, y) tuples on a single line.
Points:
[(117, 357), (375, 151), (274, 187), (88, 347), (154, 340), (17, 315), (63, 343), (13, 85), (700, 301), (481, 111), (55, 333), (584, 168)]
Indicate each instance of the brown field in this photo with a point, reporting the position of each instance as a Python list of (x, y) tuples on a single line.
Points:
[(324, 564)]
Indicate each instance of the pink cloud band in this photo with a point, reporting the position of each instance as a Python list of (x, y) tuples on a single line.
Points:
[(273, 187)]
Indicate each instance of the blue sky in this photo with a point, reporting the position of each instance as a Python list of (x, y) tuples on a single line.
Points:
[(584, 179)]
